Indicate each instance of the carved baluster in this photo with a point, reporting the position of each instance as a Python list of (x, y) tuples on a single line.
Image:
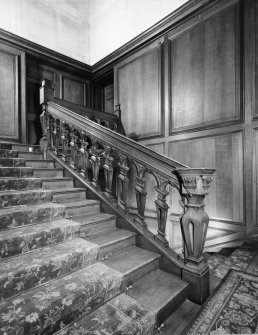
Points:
[(56, 135), (162, 211), (84, 155), (64, 139), (123, 182), (73, 148), (108, 171), (194, 225), (95, 162), (141, 194)]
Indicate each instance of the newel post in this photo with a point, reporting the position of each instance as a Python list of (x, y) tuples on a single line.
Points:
[(46, 93), (194, 225)]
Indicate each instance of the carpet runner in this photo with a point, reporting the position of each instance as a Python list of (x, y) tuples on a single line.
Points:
[(65, 266), (233, 309)]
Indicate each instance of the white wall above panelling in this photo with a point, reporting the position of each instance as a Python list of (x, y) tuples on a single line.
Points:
[(60, 25), (86, 30), (115, 22)]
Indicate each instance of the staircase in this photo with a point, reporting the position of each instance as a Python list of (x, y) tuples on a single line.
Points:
[(65, 266)]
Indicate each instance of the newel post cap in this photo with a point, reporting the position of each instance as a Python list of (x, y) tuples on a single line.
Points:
[(196, 181), (46, 91)]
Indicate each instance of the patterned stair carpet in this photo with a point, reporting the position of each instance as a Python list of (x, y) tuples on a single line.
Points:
[(53, 279), (232, 309)]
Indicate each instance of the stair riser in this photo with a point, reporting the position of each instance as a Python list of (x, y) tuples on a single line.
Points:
[(59, 261), (171, 306), (12, 162), (132, 277), (28, 216), (36, 239), (5, 153), (32, 198), (19, 184), (55, 184), (115, 248), (25, 147), (30, 155), (5, 146), (70, 196), (84, 210), (16, 172), (48, 173), (96, 227), (40, 164)]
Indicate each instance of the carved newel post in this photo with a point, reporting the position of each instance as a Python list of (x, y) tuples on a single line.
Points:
[(194, 225), (46, 94)]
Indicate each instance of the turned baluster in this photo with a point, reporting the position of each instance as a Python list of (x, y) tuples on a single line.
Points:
[(56, 135), (123, 182), (64, 138), (141, 194), (108, 171), (95, 162), (84, 155), (162, 211), (74, 148)]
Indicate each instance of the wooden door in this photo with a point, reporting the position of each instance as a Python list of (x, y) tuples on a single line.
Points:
[(12, 94)]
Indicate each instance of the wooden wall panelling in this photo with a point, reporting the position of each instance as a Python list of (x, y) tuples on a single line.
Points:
[(12, 94), (205, 71), (255, 177), (225, 154), (138, 91), (109, 99), (74, 90), (253, 45)]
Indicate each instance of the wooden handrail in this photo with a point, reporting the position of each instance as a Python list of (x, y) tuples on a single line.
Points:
[(82, 143)]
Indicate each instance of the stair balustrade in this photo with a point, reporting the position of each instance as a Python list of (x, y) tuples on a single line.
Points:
[(82, 143)]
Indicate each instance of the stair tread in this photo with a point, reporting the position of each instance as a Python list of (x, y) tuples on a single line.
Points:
[(157, 289), (36, 190), (49, 254), (120, 315), (135, 257), (110, 236), (80, 203), (94, 218), (30, 230), (24, 207), (54, 178), (68, 190), (46, 168)]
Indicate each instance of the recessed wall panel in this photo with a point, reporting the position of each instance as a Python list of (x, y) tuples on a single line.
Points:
[(204, 73), (139, 94), (225, 154)]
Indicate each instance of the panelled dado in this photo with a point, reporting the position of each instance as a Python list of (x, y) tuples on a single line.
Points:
[(198, 89)]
